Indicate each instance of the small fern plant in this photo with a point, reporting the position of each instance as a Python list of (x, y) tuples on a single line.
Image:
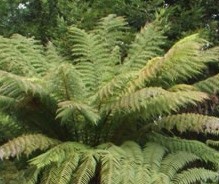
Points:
[(70, 115)]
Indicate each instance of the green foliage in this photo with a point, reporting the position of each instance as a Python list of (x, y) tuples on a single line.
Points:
[(188, 123), (126, 164), (105, 95)]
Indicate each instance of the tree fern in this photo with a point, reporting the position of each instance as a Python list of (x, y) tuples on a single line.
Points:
[(107, 94)]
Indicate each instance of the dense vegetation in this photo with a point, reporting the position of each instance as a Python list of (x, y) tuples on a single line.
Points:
[(107, 105)]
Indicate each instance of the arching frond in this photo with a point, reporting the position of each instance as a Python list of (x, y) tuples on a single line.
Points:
[(22, 56), (110, 168), (65, 82), (58, 154), (7, 102), (209, 85), (153, 154), (32, 175), (153, 101), (194, 175), (26, 144), (134, 101), (133, 151), (9, 127), (66, 169), (145, 47), (185, 59), (175, 144), (145, 75), (132, 162), (173, 162), (111, 29), (93, 57), (86, 170), (189, 122), (213, 143), (52, 56), (49, 175), (113, 87), (18, 87)]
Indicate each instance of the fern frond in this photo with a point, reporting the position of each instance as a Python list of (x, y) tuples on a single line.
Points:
[(175, 144), (9, 127), (110, 168), (146, 74), (68, 108), (93, 57), (145, 47), (65, 82), (52, 56), (26, 144), (194, 175), (58, 154), (185, 59), (15, 86), (153, 154), (189, 122), (66, 169), (7, 102), (212, 143), (133, 101), (182, 87), (87, 47), (154, 101), (173, 162), (111, 29), (31, 175), (132, 162), (142, 175), (209, 85), (23, 56), (86, 170), (133, 151), (49, 175), (113, 87)]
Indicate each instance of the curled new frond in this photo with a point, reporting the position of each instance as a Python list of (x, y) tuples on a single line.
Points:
[(26, 144), (189, 122)]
